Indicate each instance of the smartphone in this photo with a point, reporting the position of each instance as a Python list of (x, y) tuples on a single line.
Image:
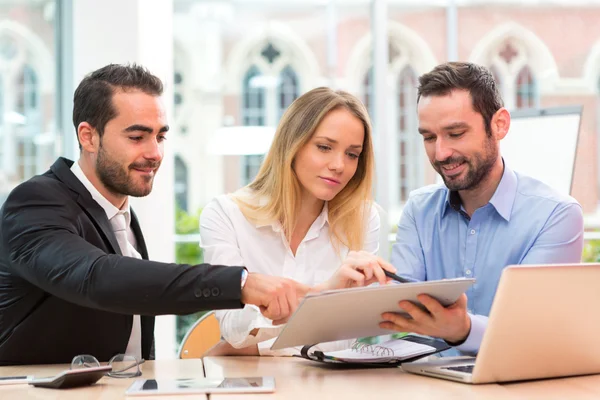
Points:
[(146, 387), (72, 378), (11, 380)]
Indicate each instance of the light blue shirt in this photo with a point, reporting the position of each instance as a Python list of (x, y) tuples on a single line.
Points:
[(525, 222)]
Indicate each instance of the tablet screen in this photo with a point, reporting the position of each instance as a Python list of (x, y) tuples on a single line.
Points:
[(202, 385)]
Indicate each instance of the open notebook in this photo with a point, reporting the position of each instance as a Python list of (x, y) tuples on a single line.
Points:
[(390, 353)]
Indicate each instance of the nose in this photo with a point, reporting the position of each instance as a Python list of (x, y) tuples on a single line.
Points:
[(442, 150), (336, 163), (154, 150)]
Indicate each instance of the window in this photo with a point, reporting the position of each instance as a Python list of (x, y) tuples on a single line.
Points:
[(368, 90), (287, 90), (253, 114), (181, 184), (525, 89), (177, 91), (27, 108), (409, 146), (511, 68), (497, 77), (264, 99)]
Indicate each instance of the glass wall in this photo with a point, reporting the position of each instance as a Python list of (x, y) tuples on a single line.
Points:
[(28, 142), (238, 64)]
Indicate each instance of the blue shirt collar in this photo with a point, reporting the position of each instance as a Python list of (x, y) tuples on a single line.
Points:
[(502, 200)]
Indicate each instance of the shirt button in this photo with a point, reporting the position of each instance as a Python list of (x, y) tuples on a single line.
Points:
[(468, 272), (206, 292), (472, 231)]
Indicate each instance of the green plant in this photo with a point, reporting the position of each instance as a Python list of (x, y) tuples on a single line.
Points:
[(187, 253), (591, 251)]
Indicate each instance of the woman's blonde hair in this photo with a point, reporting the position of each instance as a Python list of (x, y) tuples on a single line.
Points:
[(275, 194)]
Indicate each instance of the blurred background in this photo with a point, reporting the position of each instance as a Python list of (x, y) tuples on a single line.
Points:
[(231, 67)]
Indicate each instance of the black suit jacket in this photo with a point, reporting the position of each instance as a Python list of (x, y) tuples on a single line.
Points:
[(65, 288)]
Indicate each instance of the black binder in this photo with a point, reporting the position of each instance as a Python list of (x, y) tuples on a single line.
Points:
[(321, 357)]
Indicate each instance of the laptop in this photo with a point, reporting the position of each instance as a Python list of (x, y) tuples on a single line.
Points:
[(544, 323)]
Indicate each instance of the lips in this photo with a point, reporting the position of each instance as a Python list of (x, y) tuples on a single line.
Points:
[(452, 169), (330, 181)]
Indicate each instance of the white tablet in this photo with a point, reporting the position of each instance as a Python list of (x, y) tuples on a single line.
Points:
[(354, 313), (146, 387)]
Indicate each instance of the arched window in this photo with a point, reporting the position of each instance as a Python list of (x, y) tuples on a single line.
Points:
[(287, 90), (496, 75), (526, 89), (181, 184), (177, 91), (27, 92), (27, 106), (2, 133), (253, 114), (367, 90), (408, 144)]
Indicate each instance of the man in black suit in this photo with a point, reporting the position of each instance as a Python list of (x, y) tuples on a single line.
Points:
[(74, 274)]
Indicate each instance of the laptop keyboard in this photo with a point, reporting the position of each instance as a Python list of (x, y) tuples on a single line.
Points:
[(462, 368)]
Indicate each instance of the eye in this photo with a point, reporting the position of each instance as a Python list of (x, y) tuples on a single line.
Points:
[(428, 138), (323, 147), (161, 138), (353, 156), (135, 138), (456, 135)]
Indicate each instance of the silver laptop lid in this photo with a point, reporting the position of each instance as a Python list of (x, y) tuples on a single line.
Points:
[(544, 322)]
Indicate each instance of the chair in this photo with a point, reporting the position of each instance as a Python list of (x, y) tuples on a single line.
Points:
[(203, 335)]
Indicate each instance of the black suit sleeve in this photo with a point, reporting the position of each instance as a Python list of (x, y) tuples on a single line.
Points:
[(41, 235)]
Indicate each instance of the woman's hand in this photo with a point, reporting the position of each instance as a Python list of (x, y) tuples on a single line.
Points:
[(360, 268), (225, 349)]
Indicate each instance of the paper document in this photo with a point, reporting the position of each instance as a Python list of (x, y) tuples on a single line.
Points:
[(391, 350)]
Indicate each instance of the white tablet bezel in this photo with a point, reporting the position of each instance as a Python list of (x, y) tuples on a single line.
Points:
[(354, 313), (135, 388)]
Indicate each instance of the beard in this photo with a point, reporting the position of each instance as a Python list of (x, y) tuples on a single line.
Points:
[(118, 180), (478, 168)]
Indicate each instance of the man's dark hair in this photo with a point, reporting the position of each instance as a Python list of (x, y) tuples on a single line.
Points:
[(477, 80), (92, 102)]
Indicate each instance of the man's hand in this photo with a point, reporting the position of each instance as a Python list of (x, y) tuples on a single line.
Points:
[(451, 323), (276, 297), (360, 268)]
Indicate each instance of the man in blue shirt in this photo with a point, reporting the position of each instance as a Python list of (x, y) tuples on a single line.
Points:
[(483, 218)]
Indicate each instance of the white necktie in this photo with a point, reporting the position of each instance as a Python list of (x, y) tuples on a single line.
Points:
[(119, 225)]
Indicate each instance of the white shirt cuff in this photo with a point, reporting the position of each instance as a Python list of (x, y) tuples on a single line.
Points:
[(471, 345)]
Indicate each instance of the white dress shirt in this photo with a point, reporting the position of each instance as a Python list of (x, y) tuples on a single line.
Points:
[(119, 219), (228, 238)]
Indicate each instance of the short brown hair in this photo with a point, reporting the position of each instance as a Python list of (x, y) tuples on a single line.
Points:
[(92, 102), (477, 80)]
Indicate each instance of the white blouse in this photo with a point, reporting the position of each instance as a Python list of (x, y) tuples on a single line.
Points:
[(228, 238)]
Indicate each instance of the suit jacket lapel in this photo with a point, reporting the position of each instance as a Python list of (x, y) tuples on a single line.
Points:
[(62, 169), (147, 322), (139, 237)]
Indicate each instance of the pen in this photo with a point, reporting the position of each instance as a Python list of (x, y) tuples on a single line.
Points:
[(396, 277)]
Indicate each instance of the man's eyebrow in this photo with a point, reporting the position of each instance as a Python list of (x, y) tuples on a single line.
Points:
[(138, 128), (144, 128), (456, 125)]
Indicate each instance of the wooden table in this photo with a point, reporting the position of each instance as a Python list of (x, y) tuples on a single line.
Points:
[(107, 388), (296, 378)]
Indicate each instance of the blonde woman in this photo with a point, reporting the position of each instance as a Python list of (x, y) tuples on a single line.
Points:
[(307, 216)]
